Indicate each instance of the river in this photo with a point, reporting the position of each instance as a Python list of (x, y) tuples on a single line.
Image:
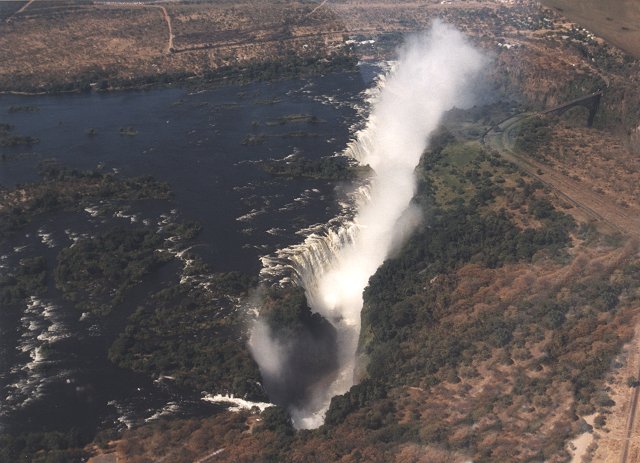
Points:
[(207, 146)]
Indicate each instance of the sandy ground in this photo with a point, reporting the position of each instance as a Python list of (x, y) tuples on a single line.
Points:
[(579, 447), (611, 440)]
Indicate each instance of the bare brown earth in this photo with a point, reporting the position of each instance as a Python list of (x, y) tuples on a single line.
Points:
[(49, 48), (599, 161), (53, 44), (616, 20)]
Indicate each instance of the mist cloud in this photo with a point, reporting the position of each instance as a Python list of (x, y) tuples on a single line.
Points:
[(435, 72), (268, 352)]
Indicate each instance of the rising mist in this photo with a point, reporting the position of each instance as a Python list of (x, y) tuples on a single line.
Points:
[(436, 71)]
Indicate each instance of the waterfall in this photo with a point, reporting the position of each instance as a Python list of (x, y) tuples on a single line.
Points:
[(301, 264), (305, 263), (334, 263)]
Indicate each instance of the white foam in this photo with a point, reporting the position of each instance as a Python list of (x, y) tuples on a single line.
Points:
[(236, 404)]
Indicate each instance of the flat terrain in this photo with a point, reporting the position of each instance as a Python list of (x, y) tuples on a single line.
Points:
[(618, 21), (52, 45)]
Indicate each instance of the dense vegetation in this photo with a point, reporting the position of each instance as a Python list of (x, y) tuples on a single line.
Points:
[(27, 279), (70, 189), (95, 273), (7, 138), (285, 67), (534, 134), (193, 334), (331, 168), (44, 447), (421, 330)]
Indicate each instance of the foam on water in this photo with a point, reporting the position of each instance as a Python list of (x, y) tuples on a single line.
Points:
[(41, 326)]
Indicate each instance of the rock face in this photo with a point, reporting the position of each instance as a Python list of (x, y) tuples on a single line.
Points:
[(296, 349), (540, 79)]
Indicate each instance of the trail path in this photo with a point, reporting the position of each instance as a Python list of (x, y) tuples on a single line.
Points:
[(167, 19), (203, 459), (165, 16), (24, 7), (208, 457), (318, 7)]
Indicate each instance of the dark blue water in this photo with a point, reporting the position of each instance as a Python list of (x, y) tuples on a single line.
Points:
[(196, 142)]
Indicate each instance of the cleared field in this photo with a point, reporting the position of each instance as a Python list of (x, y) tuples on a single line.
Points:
[(617, 21)]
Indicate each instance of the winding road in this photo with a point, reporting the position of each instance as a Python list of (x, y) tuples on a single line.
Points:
[(165, 15), (167, 19)]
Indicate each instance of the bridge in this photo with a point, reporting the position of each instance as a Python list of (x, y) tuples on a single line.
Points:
[(591, 102)]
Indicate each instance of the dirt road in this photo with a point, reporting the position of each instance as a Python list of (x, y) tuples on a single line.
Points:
[(24, 7), (165, 16), (167, 19), (631, 422)]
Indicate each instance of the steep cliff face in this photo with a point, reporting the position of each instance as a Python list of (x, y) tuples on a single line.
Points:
[(621, 110), (550, 67), (296, 349), (540, 77)]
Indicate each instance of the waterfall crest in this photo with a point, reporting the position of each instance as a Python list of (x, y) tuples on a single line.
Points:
[(300, 264)]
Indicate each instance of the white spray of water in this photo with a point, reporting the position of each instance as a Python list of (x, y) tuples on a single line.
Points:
[(435, 73)]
